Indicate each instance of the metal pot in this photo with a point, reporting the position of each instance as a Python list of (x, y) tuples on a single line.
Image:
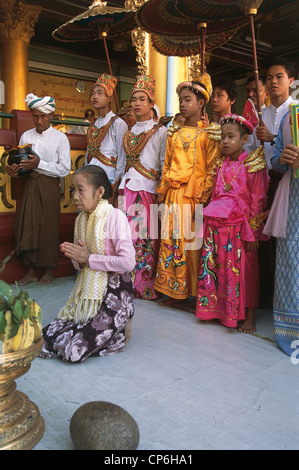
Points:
[(16, 155)]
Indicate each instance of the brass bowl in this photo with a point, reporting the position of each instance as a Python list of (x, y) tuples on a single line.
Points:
[(15, 364), (21, 425)]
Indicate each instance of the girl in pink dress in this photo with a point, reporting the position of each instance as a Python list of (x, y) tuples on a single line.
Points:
[(228, 287)]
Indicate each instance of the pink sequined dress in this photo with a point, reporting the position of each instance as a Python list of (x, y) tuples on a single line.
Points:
[(229, 275)]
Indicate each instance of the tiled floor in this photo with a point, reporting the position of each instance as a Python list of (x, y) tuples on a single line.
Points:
[(189, 385)]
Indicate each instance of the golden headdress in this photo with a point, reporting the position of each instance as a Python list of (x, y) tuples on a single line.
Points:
[(204, 79)]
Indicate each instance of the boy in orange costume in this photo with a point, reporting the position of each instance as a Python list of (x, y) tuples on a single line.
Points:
[(186, 181)]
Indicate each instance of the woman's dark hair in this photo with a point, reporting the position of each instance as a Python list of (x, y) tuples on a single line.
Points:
[(97, 177)]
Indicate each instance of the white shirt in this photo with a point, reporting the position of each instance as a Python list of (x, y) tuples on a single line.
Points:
[(53, 149), (151, 156), (111, 146), (79, 129), (272, 117)]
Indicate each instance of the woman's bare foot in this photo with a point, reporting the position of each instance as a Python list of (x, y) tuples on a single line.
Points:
[(46, 278), (248, 326), (30, 276)]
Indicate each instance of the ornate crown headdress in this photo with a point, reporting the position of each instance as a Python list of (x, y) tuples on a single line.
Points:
[(108, 82), (145, 83)]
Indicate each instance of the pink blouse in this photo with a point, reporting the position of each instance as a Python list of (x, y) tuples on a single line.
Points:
[(119, 251), (243, 202)]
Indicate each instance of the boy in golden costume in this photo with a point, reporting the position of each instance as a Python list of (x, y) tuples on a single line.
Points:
[(186, 182)]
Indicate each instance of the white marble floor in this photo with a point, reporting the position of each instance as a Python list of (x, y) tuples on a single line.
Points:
[(188, 384)]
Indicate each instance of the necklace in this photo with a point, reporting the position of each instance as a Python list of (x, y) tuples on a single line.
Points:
[(186, 144), (228, 186)]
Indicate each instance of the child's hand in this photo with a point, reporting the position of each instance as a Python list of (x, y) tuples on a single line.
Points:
[(205, 119), (251, 246)]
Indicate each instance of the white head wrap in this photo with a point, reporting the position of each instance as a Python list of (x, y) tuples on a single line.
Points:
[(45, 105)]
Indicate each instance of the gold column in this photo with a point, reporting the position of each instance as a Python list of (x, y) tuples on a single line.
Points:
[(149, 61), (157, 68), (16, 29)]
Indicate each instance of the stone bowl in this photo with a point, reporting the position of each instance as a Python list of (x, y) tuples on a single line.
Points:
[(100, 425)]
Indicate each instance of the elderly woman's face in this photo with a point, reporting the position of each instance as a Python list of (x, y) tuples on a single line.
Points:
[(86, 197), (41, 120)]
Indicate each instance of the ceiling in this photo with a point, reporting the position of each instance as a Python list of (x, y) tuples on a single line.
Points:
[(277, 33)]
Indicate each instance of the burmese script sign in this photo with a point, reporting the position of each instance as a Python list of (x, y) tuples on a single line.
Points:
[(72, 96)]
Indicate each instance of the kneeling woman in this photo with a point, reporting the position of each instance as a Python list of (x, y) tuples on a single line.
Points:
[(101, 304)]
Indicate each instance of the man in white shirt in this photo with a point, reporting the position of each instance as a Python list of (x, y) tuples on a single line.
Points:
[(279, 78), (89, 117), (37, 227), (250, 91)]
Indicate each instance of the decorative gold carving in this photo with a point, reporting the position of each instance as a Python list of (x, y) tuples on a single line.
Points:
[(194, 64), (134, 4), (18, 20), (8, 204), (139, 38), (139, 42)]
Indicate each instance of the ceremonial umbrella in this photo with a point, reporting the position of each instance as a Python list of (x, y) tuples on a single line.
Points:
[(162, 18), (185, 46), (230, 9), (98, 22), (186, 17)]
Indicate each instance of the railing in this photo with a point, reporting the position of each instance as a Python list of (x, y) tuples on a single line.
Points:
[(67, 122)]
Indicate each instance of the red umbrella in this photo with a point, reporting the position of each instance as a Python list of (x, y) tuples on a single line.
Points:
[(216, 9), (98, 22), (183, 17), (185, 46), (161, 17)]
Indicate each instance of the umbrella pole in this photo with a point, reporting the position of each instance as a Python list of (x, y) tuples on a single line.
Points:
[(202, 47), (203, 28), (109, 67), (255, 66)]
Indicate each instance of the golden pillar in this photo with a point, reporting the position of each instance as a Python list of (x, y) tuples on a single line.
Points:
[(151, 62), (16, 29), (157, 68)]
